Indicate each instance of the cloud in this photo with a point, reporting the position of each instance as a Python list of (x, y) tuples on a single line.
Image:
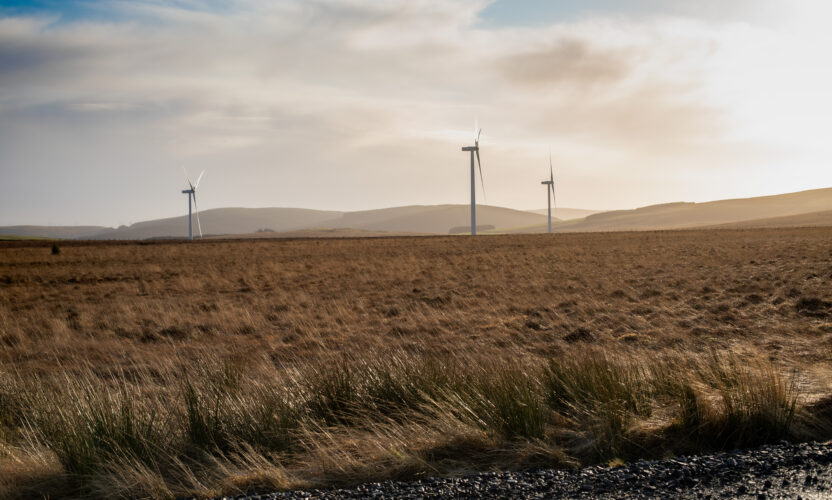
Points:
[(569, 61), (298, 93)]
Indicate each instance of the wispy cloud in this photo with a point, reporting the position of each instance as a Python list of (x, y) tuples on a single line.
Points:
[(331, 104)]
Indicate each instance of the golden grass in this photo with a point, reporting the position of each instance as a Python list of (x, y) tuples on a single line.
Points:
[(169, 369)]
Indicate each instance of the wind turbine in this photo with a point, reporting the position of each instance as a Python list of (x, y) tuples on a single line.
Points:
[(192, 193), (550, 192), (475, 149)]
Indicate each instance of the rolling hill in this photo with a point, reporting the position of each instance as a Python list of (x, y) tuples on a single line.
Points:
[(220, 221), (438, 219), (433, 219), (805, 208), (700, 215), (566, 213), (813, 219), (318, 233), (57, 232)]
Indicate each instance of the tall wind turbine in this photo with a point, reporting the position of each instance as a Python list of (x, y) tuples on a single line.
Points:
[(475, 150), (550, 192), (192, 194)]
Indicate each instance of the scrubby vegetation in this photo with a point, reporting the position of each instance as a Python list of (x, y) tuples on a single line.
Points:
[(170, 370), (179, 431)]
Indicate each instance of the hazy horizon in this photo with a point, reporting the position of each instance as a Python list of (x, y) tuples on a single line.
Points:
[(359, 104)]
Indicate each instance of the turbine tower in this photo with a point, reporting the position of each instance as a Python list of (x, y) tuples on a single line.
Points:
[(550, 192), (475, 150), (192, 193)]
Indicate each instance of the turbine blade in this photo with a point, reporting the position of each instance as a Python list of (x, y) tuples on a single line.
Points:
[(196, 211), (552, 180), (482, 181), (187, 179), (478, 137), (551, 174), (196, 185)]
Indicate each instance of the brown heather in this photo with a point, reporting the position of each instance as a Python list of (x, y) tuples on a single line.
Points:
[(219, 367)]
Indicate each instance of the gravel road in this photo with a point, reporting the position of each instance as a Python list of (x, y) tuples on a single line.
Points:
[(777, 471)]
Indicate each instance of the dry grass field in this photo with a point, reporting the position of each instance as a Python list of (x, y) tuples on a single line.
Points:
[(170, 369)]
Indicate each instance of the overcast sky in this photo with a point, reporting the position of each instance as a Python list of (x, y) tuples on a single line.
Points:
[(359, 104)]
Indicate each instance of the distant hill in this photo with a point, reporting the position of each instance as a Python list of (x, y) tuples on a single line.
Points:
[(317, 233), (813, 219), (438, 219), (7, 237), (697, 215), (566, 213), (57, 232), (812, 208), (223, 221), (433, 219)]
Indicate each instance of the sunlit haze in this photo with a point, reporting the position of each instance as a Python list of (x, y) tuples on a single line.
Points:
[(360, 104)]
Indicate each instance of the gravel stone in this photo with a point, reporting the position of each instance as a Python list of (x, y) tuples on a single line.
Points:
[(771, 472)]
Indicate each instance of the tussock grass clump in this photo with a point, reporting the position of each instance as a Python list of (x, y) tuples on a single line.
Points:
[(221, 414), (749, 403), (11, 407), (333, 393), (204, 426), (510, 403), (719, 401), (600, 394), (580, 385), (398, 383), (88, 426)]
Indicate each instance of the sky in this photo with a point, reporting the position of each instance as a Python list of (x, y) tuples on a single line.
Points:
[(362, 104)]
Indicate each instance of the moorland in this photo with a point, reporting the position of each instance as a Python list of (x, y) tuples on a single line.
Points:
[(170, 369)]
